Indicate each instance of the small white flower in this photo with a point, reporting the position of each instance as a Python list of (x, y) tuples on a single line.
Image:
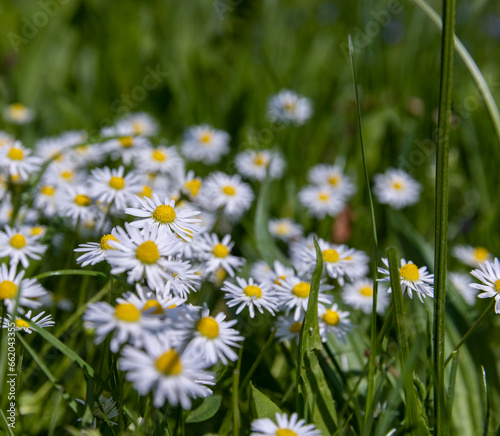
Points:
[(288, 329), (172, 375), (204, 143), (191, 185), (284, 426), (333, 320), (215, 254), (462, 284), (321, 201), (396, 188), (332, 177), (95, 252), (360, 296), (139, 123), (21, 324), (471, 256), (165, 216), (20, 246), (17, 113), (45, 200), (412, 279), (161, 159), (285, 229), (18, 162), (259, 164), (489, 274), (289, 108), (75, 203), (250, 294), (127, 146)]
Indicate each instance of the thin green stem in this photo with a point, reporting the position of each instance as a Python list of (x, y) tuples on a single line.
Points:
[(441, 215)]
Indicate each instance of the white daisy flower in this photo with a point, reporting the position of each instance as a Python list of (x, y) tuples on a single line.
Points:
[(63, 175), (321, 201), (126, 320), (75, 203), (284, 426), (396, 188), (20, 246), (181, 278), (111, 187), (173, 376), (288, 329), (139, 123), (17, 113), (21, 324), (260, 270), (10, 285), (279, 273), (250, 294), (462, 282), (228, 193), (126, 146), (212, 337), (412, 279), (191, 185), (215, 254), (95, 252), (489, 274), (471, 256), (45, 200), (292, 294), (260, 164), (289, 107), (142, 254), (161, 159), (285, 229), (164, 215), (333, 320), (333, 177), (204, 143), (38, 231), (18, 162), (359, 295)]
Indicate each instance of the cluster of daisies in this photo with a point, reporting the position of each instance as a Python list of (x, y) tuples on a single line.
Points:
[(166, 231)]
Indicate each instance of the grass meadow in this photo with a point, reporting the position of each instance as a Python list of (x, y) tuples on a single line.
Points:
[(200, 203)]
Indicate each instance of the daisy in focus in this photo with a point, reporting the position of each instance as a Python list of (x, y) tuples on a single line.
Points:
[(21, 324), (359, 295), (471, 256), (205, 144), (333, 320), (250, 294), (284, 426), (289, 107), (154, 213), (412, 279), (17, 113), (215, 254), (489, 274), (285, 229), (175, 377), (95, 252), (396, 188), (257, 165)]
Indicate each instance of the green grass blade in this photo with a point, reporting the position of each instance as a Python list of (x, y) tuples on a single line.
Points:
[(471, 65), (488, 406), (70, 272), (208, 408), (236, 399), (373, 327), (261, 406), (451, 384), (88, 415), (6, 424)]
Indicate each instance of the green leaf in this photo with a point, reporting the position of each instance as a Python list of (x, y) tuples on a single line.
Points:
[(70, 272), (313, 394), (208, 408), (261, 406)]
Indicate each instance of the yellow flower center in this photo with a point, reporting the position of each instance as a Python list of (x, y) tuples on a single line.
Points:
[(330, 255), (169, 363), (296, 327), (331, 317), (127, 312), (36, 230), (82, 200), (481, 254), (289, 107), (126, 141), (147, 191), (260, 159), (117, 183), (397, 186), (66, 174), (8, 290), (253, 291), (164, 214), (18, 241), (15, 154), (366, 291), (301, 290), (154, 305), (220, 275), (159, 156), (334, 180), (21, 323), (228, 190), (323, 196), (48, 190), (409, 272), (206, 137), (148, 252), (104, 242), (220, 250), (193, 186), (283, 228), (279, 279), (497, 285), (285, 432), (138, 127), (18, 107), (208, 327)]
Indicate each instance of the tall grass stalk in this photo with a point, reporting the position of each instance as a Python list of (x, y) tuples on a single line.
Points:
[(441, 215)]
